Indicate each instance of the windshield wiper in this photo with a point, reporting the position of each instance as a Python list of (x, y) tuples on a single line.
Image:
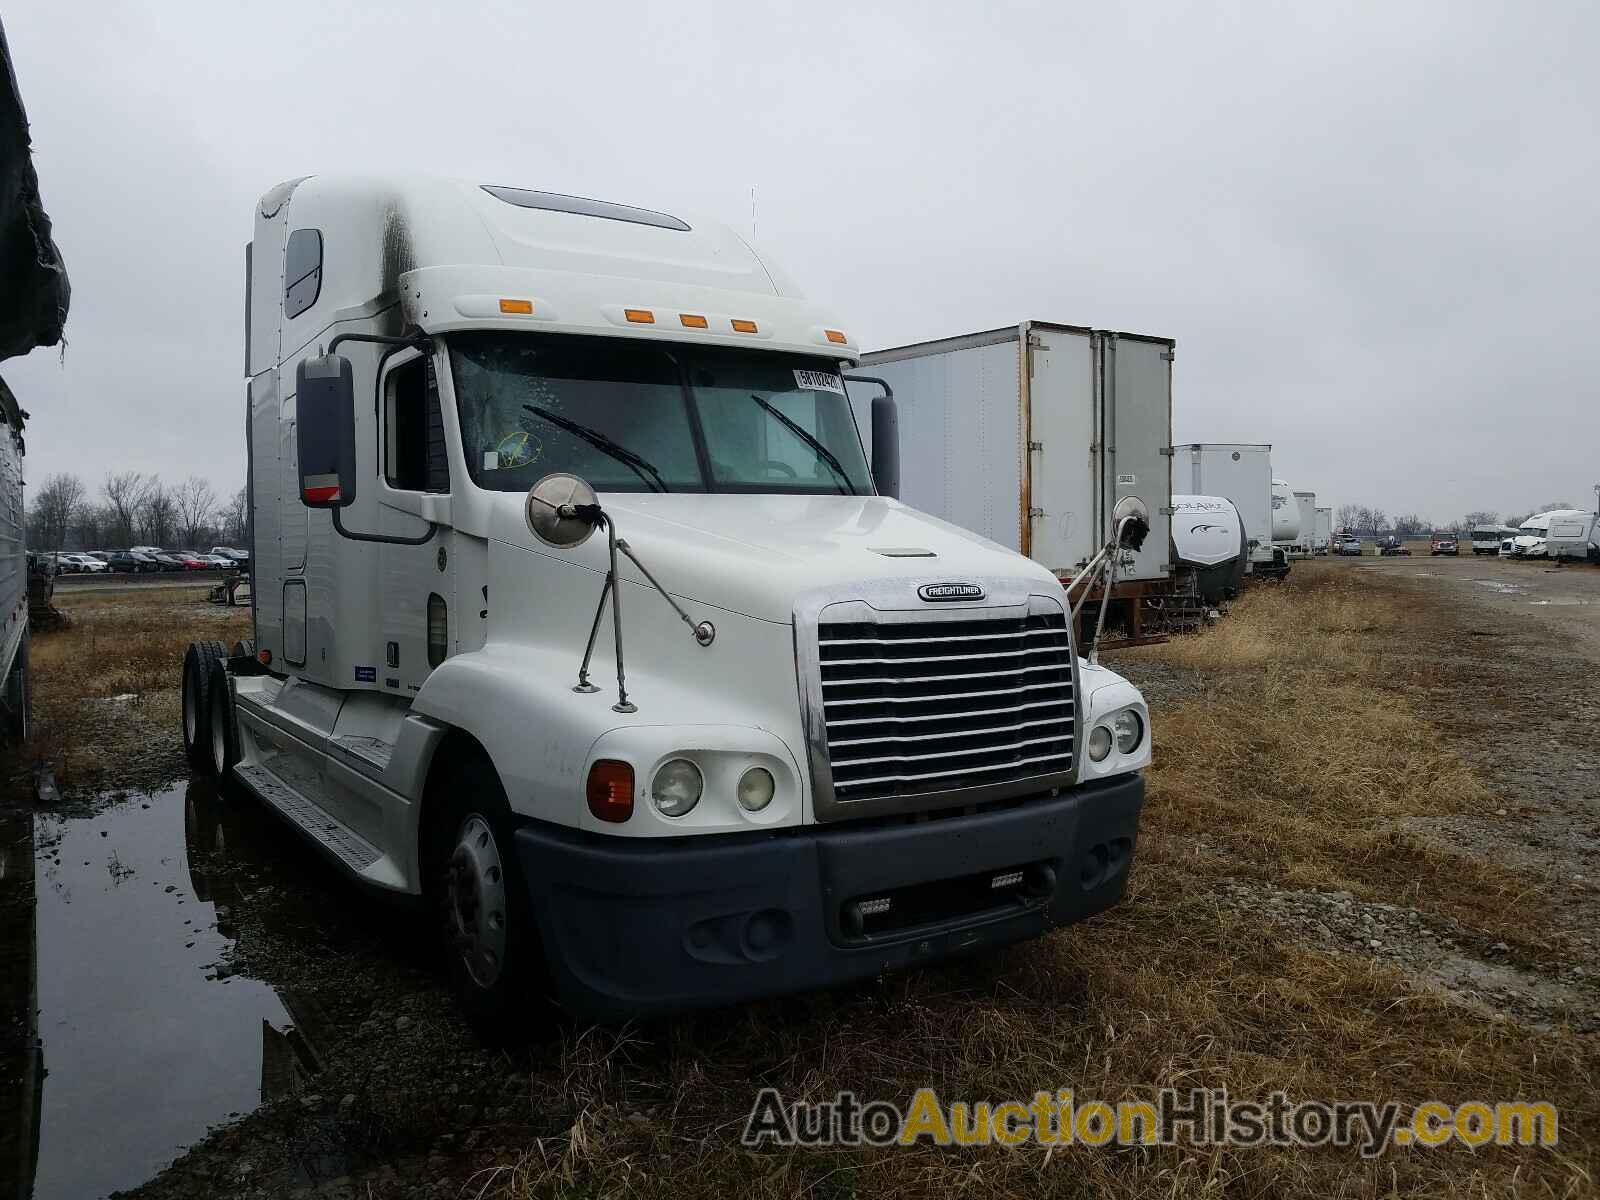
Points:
[(605, 445), (821, 451)]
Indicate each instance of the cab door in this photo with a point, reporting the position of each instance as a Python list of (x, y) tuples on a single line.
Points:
[(415, 580)]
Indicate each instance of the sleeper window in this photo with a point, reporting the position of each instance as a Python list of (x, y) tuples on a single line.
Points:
[(302, 271)]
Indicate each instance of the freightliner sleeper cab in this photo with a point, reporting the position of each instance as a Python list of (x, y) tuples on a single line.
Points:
[(578, 613)]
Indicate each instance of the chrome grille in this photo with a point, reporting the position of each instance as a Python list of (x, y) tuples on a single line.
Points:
[(912, 707)]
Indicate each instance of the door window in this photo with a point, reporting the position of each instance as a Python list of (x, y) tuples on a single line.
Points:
[(414, 459)]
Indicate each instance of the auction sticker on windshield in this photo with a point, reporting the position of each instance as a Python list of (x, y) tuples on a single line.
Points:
[(819, 381)]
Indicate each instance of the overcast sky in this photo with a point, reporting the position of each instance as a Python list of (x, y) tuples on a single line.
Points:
[(1371, 228)]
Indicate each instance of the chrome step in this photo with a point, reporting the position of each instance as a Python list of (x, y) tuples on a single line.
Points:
[(374, 751), (348, 846)]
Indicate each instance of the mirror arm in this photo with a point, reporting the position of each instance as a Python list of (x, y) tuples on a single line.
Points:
[(417, 341)]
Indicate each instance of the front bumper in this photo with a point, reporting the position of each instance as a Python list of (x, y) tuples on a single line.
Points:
[(637, 926)]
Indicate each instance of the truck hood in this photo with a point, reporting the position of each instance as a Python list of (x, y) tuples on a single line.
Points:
[(754, 554)]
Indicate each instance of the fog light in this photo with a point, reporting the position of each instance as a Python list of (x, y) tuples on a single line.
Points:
[(1099, 743), (676, 788), (1129, 729), (756, 788)]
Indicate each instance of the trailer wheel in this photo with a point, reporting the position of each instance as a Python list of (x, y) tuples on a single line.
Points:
[(224, 739), (197, 663), (481, 900)]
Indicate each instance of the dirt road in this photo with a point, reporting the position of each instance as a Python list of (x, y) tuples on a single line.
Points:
[(1562, 598)]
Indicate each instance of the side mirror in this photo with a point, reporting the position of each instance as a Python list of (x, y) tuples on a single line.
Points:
[(885, 437), (886, 444), (325, 427)]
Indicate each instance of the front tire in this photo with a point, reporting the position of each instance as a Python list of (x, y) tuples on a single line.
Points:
[(481, 901)]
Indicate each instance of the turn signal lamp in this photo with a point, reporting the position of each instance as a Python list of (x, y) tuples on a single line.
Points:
[(742, 326), (517, 308), (691, 321), (264, 657), (640, 316), (836, 336), (610, 790)]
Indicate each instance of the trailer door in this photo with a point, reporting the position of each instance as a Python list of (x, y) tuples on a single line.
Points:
[(1061, 428), (1137, 416)]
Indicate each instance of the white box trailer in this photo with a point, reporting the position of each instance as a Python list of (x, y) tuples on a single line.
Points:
[(1324, 530), (1032, 434), (1306, 507), (1243, 473)]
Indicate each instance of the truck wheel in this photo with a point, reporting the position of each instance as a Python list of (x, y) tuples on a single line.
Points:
[(482, 902), (224, 740), (197, 663)]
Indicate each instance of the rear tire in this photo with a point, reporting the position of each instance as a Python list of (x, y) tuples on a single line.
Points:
[(197, 663), (481, 904), (224, 739)]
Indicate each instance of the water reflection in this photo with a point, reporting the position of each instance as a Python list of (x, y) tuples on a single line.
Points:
[(115, 928)]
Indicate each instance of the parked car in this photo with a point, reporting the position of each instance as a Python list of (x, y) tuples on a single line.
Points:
[(78, 564), (1444, 543), (132, 561), (230, 552), (169, 561), (1349, 544), (221, 561)]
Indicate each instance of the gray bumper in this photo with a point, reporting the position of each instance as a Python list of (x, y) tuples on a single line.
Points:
[(636, 926)]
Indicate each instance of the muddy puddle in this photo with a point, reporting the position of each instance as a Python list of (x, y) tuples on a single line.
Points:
[(124, 1035)]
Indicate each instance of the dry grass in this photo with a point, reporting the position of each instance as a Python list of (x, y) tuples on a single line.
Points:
[(106, 695), (1308, 741)]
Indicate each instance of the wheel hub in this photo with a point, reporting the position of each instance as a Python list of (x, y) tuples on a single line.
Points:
[(477, 901)]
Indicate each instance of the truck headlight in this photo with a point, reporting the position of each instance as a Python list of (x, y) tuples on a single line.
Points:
[(1099, 743), (1129, 730), (676, 788), (756, 789)]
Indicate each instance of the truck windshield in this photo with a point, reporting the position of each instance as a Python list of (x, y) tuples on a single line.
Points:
[(635, 416)]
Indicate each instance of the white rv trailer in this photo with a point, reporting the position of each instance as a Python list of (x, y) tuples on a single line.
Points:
[(1324, 535), (576, 610), (1573, 536), (1209, 544), (1242, 473)]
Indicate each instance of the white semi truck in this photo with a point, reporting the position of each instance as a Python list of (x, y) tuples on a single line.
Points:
[(577, 612), (1304, 545), (1243, 473)]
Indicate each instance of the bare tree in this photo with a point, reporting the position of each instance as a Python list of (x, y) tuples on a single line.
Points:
[(90, 524), (1411, 523), (235, 518), (58, 501), (196, 504), (1480, 518), (124, 495), (1349, 517), (157, 513)]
